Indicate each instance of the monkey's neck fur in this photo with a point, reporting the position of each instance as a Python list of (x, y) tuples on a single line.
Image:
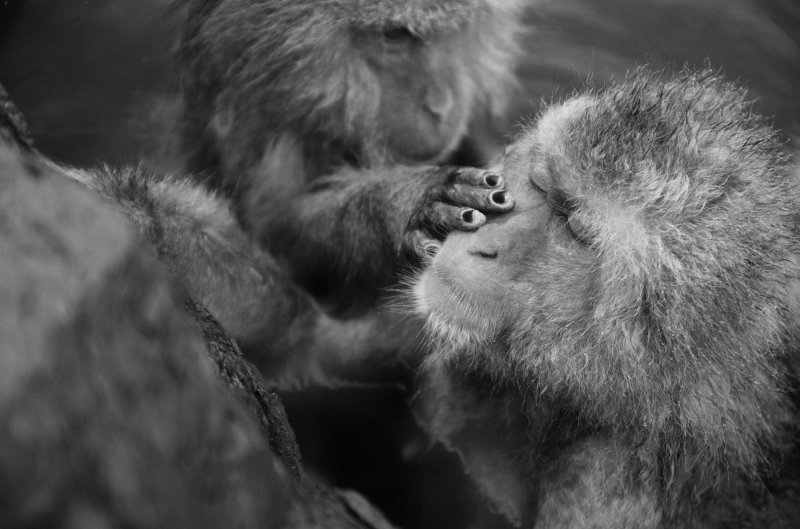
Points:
[(732, 435)]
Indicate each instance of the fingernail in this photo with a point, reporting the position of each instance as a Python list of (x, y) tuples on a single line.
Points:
[(492, 180), (468, 215), (499, 197)]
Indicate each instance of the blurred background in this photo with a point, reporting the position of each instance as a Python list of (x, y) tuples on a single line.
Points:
[(95, 80), (94, 76)]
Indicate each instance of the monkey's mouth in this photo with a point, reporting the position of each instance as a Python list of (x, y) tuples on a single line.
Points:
[(450, 314), (429, 141)]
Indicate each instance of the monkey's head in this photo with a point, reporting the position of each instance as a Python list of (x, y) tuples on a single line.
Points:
[(378, 80), (640, 274)]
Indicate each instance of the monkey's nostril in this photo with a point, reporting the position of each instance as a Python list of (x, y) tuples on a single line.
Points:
[(487, 254)]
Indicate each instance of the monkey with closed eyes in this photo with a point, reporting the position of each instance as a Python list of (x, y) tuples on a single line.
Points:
[(620, 349)]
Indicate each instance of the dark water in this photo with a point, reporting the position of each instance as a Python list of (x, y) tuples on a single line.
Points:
[(88, 73)]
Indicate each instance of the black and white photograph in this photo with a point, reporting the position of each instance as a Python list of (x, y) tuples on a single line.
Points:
[(400, 264)]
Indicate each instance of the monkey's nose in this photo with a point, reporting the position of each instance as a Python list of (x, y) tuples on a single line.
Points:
[(439, 102)]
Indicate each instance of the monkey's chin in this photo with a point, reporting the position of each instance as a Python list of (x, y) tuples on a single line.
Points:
[(450, 321), (430, 155)]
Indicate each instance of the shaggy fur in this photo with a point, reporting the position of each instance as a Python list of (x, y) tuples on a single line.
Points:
[(637, 330), (195, 234), (279, 93), (113, 414), (123, 401)]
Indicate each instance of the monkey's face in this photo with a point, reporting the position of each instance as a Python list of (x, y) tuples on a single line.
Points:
[(650, 233), (419, 70), (422, 94), (533, 260), (425, 98), (368, 82)]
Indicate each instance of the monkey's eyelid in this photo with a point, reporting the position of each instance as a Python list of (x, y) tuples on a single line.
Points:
[(577, 233), (537, 187), (396, 32), (559, 201)]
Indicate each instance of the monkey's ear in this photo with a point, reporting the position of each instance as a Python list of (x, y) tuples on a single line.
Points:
[(486, 429)]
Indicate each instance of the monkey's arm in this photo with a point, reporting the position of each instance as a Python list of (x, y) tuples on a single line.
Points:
[(197, 237), (195, 233), (357, 230)]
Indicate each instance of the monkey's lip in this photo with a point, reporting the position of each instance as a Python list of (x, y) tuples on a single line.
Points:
[(433, 292), (445, 302), (434, 151), (431, 155)]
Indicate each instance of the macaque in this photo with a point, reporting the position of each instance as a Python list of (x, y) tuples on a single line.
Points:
[(327, 123), (617, 350)]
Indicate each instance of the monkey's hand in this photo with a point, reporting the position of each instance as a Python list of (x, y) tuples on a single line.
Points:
[(460, 199), (356, 229)]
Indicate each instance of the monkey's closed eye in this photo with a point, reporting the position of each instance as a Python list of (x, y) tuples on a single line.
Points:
[(560, 202), (577, 231), (393, 32), (564, 206)]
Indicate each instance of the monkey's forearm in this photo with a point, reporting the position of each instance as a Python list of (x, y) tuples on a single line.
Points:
[(196, 235), (349, 227), (361, 228)]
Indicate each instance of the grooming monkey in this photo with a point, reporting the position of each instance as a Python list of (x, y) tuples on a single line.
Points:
[(333, 126), (322, 120)]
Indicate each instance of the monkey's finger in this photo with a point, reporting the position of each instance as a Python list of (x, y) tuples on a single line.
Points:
[(449, 217), (422, 244), (493, 200), (478, 178)]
